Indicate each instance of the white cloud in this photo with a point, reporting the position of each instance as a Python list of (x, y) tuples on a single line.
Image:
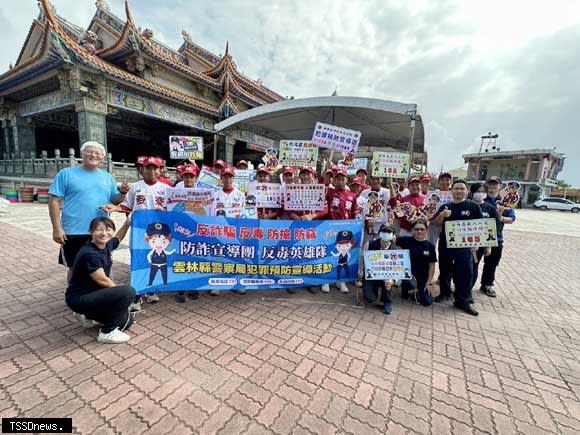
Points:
[(472, 67)]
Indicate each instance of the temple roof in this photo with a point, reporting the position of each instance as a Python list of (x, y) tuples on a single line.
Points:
[(61, 43)]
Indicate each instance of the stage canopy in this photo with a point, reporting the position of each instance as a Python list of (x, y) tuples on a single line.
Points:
[(382, 123)]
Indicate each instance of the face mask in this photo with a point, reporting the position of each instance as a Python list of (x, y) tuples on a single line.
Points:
[(386, 237), (479, 196)]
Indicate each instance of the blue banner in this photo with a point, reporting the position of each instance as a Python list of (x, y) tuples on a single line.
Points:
[(173, 251)]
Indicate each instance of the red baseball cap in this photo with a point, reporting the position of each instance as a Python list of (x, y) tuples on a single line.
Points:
[(362, 169), (155, 161), (341, 172), (308, 169), (445, 175), (335, 169), (190, 169), (329, 171), (425, 177), (140, 160), (231, 171), (180, 168), (288, 170), (357, 180), (414, 180), (240, 163), (220, 163), (263, 169)]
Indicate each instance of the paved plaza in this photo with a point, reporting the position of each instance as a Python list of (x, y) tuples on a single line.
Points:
[(280, 363)]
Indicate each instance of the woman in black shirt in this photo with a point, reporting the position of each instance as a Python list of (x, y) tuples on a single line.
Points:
[(91, 293), (423, 259)]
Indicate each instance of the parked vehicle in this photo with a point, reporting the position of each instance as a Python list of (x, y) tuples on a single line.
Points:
[(557, 204)]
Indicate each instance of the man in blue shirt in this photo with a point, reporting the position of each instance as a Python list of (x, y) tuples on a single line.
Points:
[(79, 191), (507, 216)]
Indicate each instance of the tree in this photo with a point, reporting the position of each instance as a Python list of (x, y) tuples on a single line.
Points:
[(563, 185)]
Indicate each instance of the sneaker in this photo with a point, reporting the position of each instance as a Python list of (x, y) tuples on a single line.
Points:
[(86, 323), (342, 287), (291, 291), (114, 337), (213, 292), (194, 295), (325, 288), (180, 297), (135, 306), (489, 291), (388, 308), (152, 298), (358, 283)]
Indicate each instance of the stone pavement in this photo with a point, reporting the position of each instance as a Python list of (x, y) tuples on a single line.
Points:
[(279, 363)]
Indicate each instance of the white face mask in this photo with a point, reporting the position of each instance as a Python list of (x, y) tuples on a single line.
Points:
[(479, 196), (386, 237)]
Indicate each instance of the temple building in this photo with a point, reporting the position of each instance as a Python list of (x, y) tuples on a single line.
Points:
[(116, 84)]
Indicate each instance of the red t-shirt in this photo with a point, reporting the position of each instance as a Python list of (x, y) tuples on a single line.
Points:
[(341, 204)]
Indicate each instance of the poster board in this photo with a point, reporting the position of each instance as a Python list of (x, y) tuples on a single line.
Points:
[(387, 264), (390, 164), (336, 138), (192, 200), (208, 180), (298, 153), (186, 147), (267, 195), (304, 197), (473, 233)]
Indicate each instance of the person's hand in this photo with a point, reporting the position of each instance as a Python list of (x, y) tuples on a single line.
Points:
[(125, 186), (487, 252), (429, 288), (59, 236), (128, 219), (500, 208), (446, 212), (108, 208)]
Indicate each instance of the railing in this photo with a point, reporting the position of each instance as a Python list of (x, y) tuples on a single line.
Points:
[(47, 167)]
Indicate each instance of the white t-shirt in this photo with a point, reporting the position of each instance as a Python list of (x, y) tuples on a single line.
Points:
[(143, 196), (230, 200)]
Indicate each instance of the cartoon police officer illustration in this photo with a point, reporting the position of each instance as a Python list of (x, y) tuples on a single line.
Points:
[(344, 243), (158, 236)]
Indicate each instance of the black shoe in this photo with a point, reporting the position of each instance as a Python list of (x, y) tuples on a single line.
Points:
[(468, 309), (489, 291), (291, 290), (180, 297), (194, 295), (312, 290), (442, 298)]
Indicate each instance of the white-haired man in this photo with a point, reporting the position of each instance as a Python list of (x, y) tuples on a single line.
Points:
[(79, 191)]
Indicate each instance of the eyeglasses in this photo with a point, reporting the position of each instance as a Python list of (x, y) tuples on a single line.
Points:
[(94, 153)]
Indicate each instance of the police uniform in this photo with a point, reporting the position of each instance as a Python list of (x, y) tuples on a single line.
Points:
[(157, 260), (343, 259), (457, 263)]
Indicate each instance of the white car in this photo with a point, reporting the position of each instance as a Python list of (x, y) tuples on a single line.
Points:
[(557, 204)]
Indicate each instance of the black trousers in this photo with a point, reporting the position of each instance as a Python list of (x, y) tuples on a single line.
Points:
[(490, 264), (371, 292), (109, 306), (153, 273), (420, 284), (456, 264), (340, 268)]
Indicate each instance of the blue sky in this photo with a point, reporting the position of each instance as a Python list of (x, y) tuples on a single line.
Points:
[(504, 66)]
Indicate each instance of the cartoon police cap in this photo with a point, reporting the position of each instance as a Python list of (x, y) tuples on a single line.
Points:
[(373, 194), (514, 184), (344, 236), (158, 229)]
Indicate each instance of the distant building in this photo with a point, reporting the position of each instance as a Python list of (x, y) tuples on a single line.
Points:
[(536, 170)]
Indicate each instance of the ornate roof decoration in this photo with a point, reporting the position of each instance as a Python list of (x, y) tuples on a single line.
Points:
[(63, 42)]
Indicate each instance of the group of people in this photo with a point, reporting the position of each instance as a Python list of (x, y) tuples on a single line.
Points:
[(82, 196)]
